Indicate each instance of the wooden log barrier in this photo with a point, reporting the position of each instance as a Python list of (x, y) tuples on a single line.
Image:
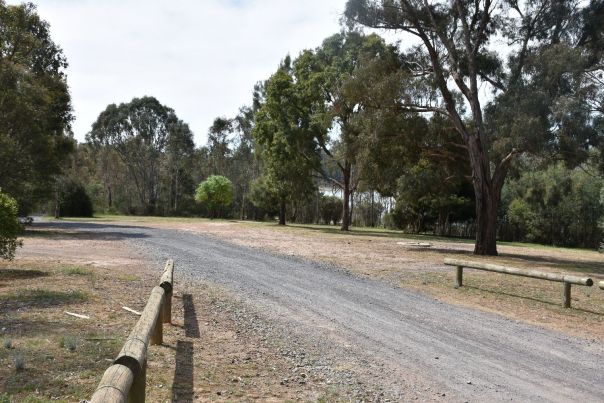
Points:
[(125, 380), (568, 280), (114, 386), (167, 283)]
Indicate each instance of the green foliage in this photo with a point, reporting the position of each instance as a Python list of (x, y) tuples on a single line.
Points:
[(264, 196), (142, 132), (557, 206), (34, 105), (331, 210), (9, 227), (282, 132), (216, 193), (74, 201)]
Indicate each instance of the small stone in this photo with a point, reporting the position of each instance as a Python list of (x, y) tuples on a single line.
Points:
[(469, 382)]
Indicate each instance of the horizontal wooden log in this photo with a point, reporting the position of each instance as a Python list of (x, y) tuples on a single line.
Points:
[(562, 278), (114, 386), (167, 277), (135, 347)]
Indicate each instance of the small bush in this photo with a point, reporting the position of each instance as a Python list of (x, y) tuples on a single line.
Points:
[(68, 342), (74, 201), (9, 227), (19, 362), (8, 344)]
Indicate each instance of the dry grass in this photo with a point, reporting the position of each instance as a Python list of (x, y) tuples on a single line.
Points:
[(62, 357), (377, 254), (49, 356)]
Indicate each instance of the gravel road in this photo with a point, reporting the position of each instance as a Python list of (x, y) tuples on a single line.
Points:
[(408, 342)]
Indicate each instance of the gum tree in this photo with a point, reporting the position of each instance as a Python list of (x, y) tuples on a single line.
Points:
[(504, 100)]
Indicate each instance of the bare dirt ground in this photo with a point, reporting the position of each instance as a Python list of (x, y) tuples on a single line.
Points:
[(377, 254), (380, 341), (209, 353)]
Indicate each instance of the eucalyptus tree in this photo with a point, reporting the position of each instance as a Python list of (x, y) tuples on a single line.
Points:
[(35, 107), (324, 79), (283, 127), (141, 132), (456, 48)]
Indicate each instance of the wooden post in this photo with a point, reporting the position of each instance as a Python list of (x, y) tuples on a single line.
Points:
[(157, 337), (139, 386), (459, 276), (567, 294), (167, 283), (114, 386), (167, 311)]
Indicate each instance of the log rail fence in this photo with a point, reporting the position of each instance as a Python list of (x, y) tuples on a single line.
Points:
[(125, 380), (567, 279)]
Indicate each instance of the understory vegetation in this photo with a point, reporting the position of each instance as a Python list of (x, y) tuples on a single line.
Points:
[(439, 134)]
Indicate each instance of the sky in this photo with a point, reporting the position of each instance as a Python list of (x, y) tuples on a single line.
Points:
[(201, 58)]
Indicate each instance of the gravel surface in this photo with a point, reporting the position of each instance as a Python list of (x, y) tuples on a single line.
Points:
[(405, 344)]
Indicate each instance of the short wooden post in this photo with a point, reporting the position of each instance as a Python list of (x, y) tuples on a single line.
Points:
[(157, 337), (139, 386), (458, 276), (167, 311), (567, 294)]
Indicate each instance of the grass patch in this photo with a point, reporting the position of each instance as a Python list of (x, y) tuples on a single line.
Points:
[(75, 271), (127, 277), (41, 298)]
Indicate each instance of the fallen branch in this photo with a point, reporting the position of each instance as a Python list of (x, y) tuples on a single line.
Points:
[(77, 315), (131, 310)]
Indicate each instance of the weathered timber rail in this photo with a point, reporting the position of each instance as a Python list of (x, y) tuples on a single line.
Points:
[(125, 380), (567, 279)]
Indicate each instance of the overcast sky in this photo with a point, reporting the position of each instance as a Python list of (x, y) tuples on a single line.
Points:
[(201, 58)]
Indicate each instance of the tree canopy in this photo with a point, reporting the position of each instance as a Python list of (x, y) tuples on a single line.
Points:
[(35, 105), (454, 51)]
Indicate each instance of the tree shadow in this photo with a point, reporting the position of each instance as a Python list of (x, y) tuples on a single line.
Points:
[(190, 317), (83, 231), (382, 234), (543, 301), (20, 274), (38, 298), (589, 267), (182, 386)]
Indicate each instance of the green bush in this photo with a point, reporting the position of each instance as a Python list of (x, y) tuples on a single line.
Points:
[(9, 227), (215, 193), (74, 201)]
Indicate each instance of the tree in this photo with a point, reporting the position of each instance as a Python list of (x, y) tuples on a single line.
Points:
[(35, 106), (282, 131), (141, 131), (325, 79), (455, 53), (9, 226), (73, 200), (216, 193)]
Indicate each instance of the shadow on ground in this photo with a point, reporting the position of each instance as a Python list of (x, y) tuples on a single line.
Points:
[(65, 230)]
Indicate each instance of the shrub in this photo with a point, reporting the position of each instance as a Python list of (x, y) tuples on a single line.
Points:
[(216, 193), (9, 227), (74, 201)]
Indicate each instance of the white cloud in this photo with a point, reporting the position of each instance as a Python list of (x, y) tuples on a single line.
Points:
[(202, 58)]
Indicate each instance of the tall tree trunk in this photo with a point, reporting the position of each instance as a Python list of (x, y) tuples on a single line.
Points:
[(109, 196), (487, 192), (282, 211), (346, 197)]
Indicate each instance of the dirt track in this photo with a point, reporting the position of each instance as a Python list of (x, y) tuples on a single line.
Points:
[(412, 345)]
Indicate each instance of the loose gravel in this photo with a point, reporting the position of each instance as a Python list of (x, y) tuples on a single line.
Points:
[(393, 342)]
